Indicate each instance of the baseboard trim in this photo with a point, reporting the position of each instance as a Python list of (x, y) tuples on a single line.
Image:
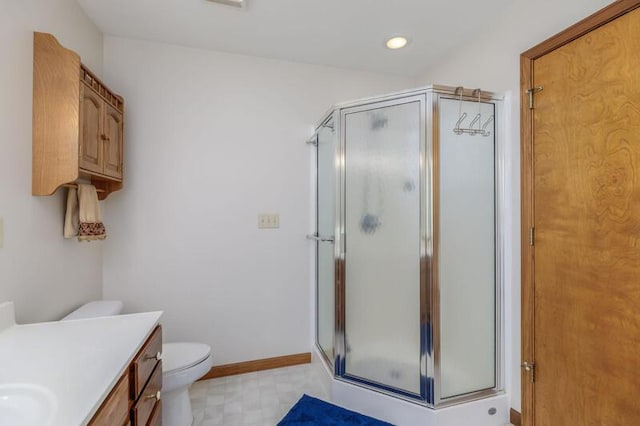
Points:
[(257, 365), (515, 417)]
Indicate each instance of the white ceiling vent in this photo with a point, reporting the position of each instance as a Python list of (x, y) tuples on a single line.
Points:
[(236, 3)]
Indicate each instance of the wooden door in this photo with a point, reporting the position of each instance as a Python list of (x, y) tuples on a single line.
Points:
[(91, 130), (113, 144), (581, 195)]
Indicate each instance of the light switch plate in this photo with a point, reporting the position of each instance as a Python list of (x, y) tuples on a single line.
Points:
[(268, 220), (1, 232)]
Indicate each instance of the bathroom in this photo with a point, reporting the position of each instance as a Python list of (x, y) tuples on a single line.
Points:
[(216, 124)]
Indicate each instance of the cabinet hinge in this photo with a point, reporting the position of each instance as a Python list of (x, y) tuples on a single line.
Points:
[(529, 367), (531, 92), (532, 236)]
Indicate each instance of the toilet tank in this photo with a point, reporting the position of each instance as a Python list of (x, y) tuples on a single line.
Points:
[(98, 308)]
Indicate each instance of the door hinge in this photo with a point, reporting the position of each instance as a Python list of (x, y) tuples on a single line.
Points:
[(529, 367), (531, 92), (532, 236)]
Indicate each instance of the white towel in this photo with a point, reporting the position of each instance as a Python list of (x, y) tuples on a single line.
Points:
[(83, 218)]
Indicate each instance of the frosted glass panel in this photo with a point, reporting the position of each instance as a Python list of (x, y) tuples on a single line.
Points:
[(466, 254), (382, 226), (325, 228)]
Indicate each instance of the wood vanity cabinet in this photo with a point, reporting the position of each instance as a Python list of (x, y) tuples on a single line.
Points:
[(146, 381), (136, 399), (115, 408), (78, 125)]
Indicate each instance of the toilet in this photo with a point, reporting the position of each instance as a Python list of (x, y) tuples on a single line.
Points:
[(182, 364)]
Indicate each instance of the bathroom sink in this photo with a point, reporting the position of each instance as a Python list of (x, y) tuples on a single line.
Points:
[(24, 404)]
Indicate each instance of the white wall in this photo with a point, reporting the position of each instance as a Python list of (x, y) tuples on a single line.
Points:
[(491, 61), (212, 140), (42, 273)]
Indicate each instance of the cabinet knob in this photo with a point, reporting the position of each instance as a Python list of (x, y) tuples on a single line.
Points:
[(156, 357), (155, 396)]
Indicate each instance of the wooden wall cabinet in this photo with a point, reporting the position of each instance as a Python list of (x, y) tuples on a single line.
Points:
[(101, 135), (135, 399), (78, 125)]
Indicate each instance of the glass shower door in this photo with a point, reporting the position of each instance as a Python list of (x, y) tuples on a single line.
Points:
[(466, 252), (325, 229), (382, 226)]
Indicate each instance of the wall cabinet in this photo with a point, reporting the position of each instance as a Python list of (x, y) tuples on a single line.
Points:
[(135, 399), (101, 135), (78, 125)]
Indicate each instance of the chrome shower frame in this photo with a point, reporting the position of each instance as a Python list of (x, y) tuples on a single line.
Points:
[(429, 98)]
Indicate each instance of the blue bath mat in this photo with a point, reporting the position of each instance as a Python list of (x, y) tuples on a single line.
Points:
[(310, 411)]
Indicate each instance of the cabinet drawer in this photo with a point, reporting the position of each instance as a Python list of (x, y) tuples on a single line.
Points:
[(144, 363), (156, 416), (148, 399), (115, 409)]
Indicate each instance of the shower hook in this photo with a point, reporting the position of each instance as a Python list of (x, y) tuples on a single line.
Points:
[(478, 117), (485, 132), (480, 129), (461, 116)]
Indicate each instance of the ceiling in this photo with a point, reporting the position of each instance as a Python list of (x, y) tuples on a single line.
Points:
[(340, 33)]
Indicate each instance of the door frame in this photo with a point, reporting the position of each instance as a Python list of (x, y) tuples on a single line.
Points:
[(527, 58)]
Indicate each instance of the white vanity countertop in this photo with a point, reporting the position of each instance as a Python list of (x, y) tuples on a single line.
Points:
[(79, 360)]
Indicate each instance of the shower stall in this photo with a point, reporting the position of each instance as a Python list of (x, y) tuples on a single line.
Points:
[(408, 245)]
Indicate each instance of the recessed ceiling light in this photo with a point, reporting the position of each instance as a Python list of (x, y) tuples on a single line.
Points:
[(397, 42)]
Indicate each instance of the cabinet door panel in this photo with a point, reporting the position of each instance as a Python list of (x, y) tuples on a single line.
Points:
[(113, 147), (156, 415), (145, 362), (150, 396), (115, 408), (90, 130)]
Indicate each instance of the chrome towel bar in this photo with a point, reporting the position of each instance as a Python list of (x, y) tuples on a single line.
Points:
[(317, 237)]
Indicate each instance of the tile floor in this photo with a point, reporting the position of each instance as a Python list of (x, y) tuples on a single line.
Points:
[(254, 399), (257, 399)]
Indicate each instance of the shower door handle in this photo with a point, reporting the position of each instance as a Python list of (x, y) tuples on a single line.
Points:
[(319, 238)]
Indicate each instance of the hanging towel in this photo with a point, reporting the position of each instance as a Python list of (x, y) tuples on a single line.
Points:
[(83, 218), (71, 217)]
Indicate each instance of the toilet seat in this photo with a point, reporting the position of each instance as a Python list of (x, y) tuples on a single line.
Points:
[(181, 356)]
